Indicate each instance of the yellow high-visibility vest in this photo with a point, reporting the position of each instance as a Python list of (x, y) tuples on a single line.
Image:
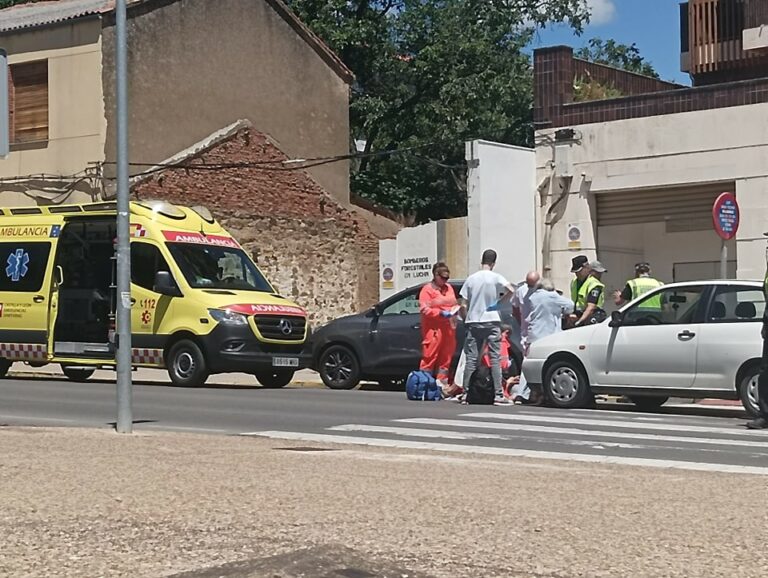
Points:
[(581, 296), (641, 286)]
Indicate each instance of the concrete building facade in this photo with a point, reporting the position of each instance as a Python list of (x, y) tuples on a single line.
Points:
[(634, 177), (195, 66)]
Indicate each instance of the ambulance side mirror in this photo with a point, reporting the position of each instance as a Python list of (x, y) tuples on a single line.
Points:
[(165, 285)]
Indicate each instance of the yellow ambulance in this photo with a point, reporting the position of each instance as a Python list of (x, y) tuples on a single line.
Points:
[(199, 303)]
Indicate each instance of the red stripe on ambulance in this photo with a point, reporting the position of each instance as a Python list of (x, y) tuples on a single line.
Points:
[(200, 239), (251, 309)]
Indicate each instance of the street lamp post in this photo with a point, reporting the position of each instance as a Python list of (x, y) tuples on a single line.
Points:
[(123, 320)]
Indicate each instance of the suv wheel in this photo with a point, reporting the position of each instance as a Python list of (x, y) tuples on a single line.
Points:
[(274, 379), (186, 364), (566, 386), (748, 389), (339, 368)]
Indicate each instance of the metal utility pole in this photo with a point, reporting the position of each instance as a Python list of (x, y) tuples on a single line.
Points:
[(123, 329), (5, 136), (723, 260)]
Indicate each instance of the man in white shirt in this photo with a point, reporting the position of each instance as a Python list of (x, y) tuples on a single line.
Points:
[(480, 305)]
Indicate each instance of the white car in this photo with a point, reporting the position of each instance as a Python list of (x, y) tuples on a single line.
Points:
[(696, 340)]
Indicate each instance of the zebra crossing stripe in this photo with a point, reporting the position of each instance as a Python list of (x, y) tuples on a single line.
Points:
[(510, 452), (455, 423), (416, 432), (667, 427)]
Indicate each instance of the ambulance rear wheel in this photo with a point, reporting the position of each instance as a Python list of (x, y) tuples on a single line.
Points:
[(78, 374), (186, 364), (5, 365)]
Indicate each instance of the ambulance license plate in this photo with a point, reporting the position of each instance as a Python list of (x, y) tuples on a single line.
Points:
[(285, 362)]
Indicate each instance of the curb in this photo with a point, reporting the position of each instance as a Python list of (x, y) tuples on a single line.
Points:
[(61, 376)]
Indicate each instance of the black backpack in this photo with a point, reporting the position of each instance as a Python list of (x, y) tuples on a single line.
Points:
[(481, 390)]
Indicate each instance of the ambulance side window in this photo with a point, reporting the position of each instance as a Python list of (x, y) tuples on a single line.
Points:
[(23, 265), (146, 260)]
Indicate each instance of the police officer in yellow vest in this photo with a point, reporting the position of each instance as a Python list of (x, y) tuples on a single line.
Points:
[(761, 422), (640, 285), (588, 292), (580, 268)]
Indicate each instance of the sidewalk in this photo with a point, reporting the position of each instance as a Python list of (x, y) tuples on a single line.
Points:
[(79, 502), (303, 378)]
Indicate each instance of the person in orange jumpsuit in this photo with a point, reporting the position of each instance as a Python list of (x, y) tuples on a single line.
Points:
[(437, 303)]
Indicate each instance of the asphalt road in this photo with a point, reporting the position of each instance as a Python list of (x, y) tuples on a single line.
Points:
[(687, 438)]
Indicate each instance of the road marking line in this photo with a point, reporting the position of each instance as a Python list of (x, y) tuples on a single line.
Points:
[(617, 424), (511, 452), (182, 428), (447, 434), (36, 418), (415, 432), (581, 432)]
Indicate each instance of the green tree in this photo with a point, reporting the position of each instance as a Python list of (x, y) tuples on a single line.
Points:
[(429, 75), (612, 53)]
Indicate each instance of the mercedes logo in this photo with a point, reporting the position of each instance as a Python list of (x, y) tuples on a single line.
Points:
[(285, 327)]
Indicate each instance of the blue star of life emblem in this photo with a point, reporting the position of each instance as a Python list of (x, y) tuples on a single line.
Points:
[(17, 262)]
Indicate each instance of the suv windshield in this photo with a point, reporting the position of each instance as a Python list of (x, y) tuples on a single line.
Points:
[(212, 267)]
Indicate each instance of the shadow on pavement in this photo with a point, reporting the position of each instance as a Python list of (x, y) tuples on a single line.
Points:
[(320, 561), (690, 409)]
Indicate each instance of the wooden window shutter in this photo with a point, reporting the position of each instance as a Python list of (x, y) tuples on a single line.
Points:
[(29, 110)]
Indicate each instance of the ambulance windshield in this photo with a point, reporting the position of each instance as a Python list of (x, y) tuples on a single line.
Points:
[(214, 267)]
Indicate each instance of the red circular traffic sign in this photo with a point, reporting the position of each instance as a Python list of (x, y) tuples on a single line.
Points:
[(725, 216)]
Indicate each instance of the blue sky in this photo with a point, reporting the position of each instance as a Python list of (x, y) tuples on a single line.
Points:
[(654, 25)]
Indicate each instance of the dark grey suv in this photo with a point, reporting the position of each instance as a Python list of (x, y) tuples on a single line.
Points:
[(382, 344)]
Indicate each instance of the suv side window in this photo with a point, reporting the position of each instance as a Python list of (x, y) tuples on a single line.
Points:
[(408, 304), (670, 306), (736, 304), (23, 265), (146, 260)]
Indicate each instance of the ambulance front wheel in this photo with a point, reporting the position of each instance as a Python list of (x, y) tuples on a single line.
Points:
[(79, 374), (186, 364), (5, 365)]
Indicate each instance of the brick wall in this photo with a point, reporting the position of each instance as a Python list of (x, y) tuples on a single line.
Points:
[(312, 249)]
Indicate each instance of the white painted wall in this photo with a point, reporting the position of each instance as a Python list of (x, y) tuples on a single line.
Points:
[(703, 147), (415, 250), (387, 268), (500, 212), (416, 253)]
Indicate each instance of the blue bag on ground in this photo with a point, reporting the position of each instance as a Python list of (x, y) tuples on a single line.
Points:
[(420, 386)]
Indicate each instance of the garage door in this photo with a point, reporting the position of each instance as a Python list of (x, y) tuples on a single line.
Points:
[(683, 209)]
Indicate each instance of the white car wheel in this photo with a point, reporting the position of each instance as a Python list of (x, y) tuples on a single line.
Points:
[(748, 391), (566, 385)]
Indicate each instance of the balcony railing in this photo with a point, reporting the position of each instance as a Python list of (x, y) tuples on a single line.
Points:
[(714, 33), (755, 13)]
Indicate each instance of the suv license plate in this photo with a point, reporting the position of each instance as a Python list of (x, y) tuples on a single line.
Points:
[(285, 362)]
